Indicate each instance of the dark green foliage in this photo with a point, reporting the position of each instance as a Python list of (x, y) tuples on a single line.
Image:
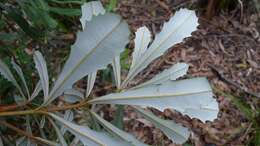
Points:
[(118, 117), (24, 23), (252, 114), (65, 11), (227, 4), (256, 4), (15, 15), (112, 5)]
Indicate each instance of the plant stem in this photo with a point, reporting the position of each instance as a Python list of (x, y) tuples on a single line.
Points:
[(16, 113), (44, 110), (23, 133), (4, 108), (72, 106)]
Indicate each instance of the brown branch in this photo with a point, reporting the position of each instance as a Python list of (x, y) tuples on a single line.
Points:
[(63, 108), (24, 133), (11, 107), (211, 8), (44, 110)]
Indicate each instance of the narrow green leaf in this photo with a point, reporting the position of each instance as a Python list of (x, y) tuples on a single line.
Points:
[(111, 6), (119, 117), (42, 9), (21, 75), (80, 2), (50, 22), (16, 15), (2, 23), (7, 74), (8, 37), (65, 11)]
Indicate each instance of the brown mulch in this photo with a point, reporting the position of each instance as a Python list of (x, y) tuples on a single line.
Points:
[(225, 49)]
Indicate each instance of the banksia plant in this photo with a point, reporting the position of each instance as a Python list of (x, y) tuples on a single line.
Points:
[(103, 38)]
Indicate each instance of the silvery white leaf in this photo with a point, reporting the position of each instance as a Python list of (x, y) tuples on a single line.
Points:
[(94, 49), (42, 132), (7, 74), (71, 99), (142, 39), (118, 132), (90, 9), (28, 125), (68, 116), (180, 26), (117, 71), (28, 129), (42, 122), (19, 71), (23, 141), (88, 136), (91, 82), (177, 133), (72, 96), (41, 67), (20, 141), (19, 100), (192, 97), (59, 134), (36, 90), (75, 142), (103, 139), (174, 72)]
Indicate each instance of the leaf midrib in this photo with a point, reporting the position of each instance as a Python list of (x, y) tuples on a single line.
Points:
[(84, 58), (145, 58), (150, 117), (158, 79), (78, 132), (100, 100)]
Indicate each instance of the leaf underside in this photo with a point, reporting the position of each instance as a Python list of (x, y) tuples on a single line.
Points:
[(180, 26), (177, 133), (89, 10), (192, 97), (88, 136), (94, 49)]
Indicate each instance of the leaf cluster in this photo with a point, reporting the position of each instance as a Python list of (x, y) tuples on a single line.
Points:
[(100, 43)]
